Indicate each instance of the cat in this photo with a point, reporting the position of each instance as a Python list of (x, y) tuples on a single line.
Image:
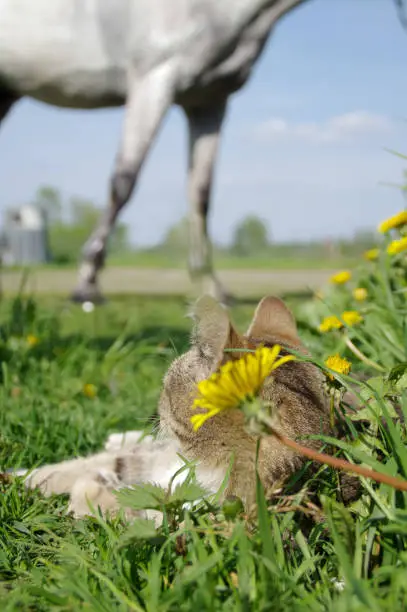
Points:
[(295, 390)]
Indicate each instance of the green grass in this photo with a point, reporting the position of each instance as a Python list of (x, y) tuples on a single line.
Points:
[(222, 261), (197, 560)]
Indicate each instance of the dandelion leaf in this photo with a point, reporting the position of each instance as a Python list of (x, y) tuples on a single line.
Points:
[(142, 497), (187, 492)]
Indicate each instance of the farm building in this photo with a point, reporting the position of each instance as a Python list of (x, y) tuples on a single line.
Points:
[(23, 239)]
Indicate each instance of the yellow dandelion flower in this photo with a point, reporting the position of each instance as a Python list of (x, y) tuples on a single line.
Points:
[(330, 323), (32, 340), (340, 278), (360, 294), (371, 254), (393, 222), (234, 578), (338, 364), (235, 382), (397, 246), (90, 390), (351, 317)]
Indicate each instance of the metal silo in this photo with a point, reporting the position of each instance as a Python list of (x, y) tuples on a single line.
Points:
[(26, 234)]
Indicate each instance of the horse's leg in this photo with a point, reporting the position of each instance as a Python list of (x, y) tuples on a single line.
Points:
[(148, 100), (6, 102), (205, 124)]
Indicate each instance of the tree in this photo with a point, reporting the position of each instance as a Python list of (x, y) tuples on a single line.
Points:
[(83, 212), (48, 200), (67, 238), (176, 239), (250, 237)]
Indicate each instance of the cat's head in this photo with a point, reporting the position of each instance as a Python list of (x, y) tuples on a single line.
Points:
[(213, 334)]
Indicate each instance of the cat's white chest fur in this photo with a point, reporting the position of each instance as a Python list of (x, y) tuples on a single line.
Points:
[(165, 461)]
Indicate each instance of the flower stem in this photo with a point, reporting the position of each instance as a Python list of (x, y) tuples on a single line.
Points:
[(332, 412), (341, 464), (361, 356)]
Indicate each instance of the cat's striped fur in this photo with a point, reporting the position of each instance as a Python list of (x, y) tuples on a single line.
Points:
[(295, 391)]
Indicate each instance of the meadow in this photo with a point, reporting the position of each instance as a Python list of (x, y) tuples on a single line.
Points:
[(69, 378)]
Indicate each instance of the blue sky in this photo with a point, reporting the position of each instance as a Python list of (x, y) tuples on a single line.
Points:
[(303, 146)]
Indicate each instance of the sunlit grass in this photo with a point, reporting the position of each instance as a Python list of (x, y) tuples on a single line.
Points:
[(304, 551)]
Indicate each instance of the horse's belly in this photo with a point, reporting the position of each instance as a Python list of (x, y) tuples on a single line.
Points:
[(57, 57), (76, 87)]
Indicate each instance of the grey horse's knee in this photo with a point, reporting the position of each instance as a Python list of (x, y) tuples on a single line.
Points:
[(121, 187)]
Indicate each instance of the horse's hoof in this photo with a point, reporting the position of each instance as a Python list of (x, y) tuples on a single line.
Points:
[(223, 297), (90, 295), (227, 299)]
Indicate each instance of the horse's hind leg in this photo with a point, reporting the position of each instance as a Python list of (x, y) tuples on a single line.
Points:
[(205, 125)]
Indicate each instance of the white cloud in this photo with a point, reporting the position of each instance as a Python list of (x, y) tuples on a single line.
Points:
[(349, 127)]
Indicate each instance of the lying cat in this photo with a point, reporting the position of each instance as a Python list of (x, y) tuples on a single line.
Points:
[(295, 391)]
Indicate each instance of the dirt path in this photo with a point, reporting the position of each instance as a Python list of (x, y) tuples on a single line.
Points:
[(243, 283)]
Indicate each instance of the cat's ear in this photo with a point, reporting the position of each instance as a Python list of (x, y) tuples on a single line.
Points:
[(273, 319), (213, 331)]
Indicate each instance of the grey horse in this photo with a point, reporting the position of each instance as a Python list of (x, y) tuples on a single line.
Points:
[(145, 55)]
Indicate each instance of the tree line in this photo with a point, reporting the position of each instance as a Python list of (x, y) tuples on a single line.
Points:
[(71, 220)]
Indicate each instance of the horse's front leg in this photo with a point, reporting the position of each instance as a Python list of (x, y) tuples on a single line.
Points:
[(148, 100)]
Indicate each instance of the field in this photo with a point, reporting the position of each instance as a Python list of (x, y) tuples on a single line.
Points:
[(69, 378), (272, 260), (124, 280)]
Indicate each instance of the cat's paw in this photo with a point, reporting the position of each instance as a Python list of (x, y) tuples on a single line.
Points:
[(92, 492), (50, 480), (95, 493), (20, 472)]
